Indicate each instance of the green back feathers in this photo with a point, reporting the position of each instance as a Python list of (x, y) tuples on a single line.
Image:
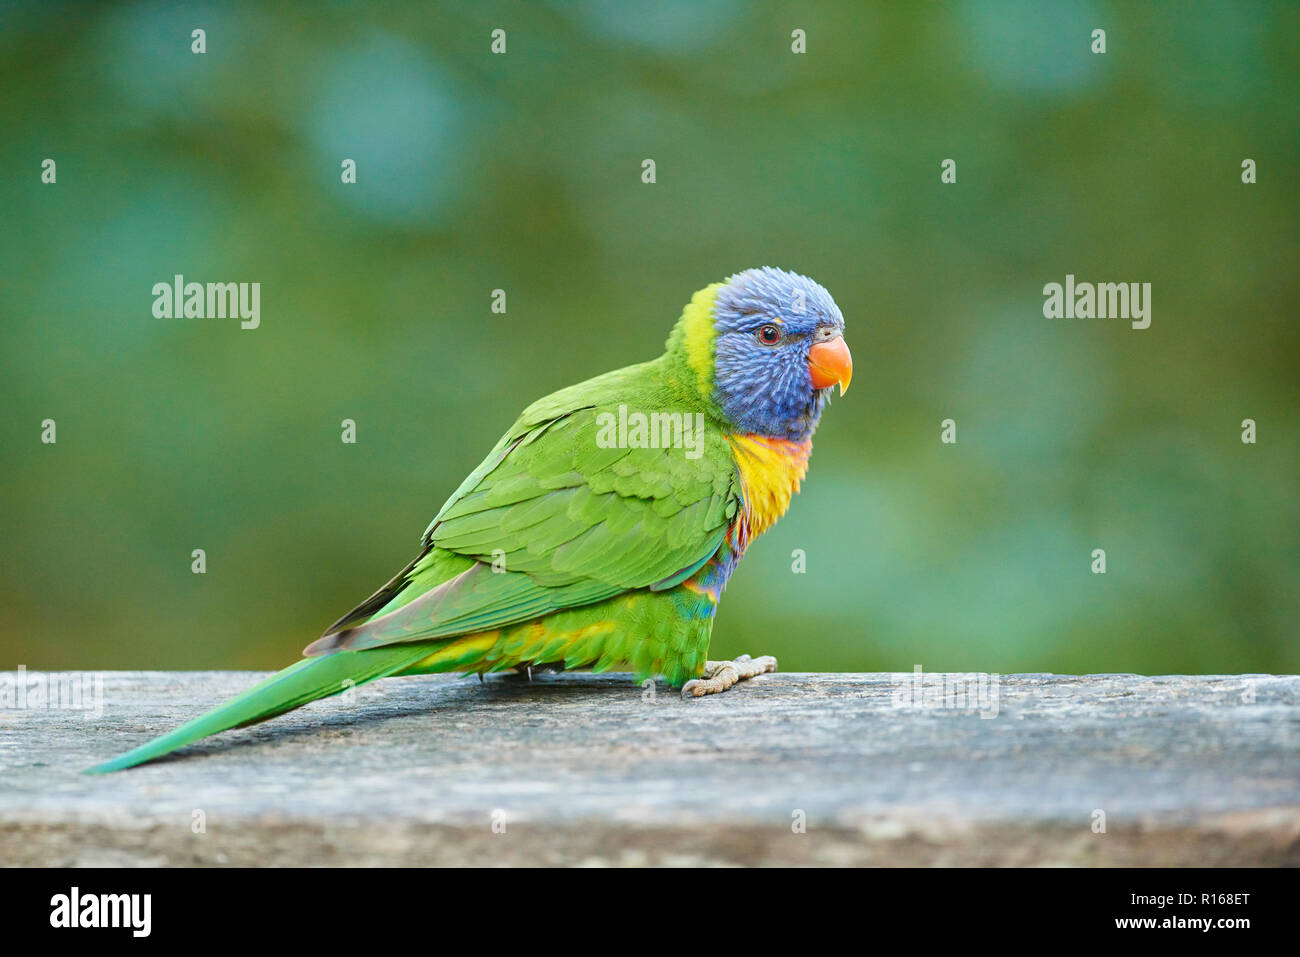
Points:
[(555, 518)]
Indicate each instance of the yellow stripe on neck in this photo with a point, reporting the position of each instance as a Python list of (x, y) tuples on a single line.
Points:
[(771, 471), (697, 336)]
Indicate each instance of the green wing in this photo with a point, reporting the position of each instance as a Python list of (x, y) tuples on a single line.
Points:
[(552, 520)]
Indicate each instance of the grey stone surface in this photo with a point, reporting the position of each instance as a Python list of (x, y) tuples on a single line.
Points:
[(586, 770)]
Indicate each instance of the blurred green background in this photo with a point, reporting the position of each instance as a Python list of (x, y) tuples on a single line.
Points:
[(523, 172)]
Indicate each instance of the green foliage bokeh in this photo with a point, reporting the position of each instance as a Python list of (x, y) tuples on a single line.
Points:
[(523, 172)]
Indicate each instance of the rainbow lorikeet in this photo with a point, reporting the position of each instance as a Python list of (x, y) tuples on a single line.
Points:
[(603, 527)]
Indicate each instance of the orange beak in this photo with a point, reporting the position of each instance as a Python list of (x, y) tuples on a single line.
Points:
[(830, 363)]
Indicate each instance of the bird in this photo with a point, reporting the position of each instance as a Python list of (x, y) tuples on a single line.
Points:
[(602, 528)]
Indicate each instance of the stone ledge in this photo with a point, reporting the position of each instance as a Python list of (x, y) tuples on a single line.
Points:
[(1199, 770)]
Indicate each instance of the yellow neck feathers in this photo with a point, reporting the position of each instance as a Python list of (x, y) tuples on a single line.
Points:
[(770, 473), (697, 336)]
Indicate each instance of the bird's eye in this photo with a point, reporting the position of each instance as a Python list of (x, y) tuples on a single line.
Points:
[(769, 335)]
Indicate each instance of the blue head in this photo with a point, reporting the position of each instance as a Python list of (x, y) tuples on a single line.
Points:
[(778, 348)]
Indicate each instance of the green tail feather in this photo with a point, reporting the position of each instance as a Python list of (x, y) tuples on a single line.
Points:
[(304, 681)]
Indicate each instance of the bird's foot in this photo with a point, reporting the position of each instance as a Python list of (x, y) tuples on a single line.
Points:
[(525, 673), (721, 675)]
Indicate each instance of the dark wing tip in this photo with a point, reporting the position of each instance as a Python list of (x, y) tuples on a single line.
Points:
[(326, 644)]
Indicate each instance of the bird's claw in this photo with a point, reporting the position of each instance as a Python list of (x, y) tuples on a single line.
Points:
[(721, 675)]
